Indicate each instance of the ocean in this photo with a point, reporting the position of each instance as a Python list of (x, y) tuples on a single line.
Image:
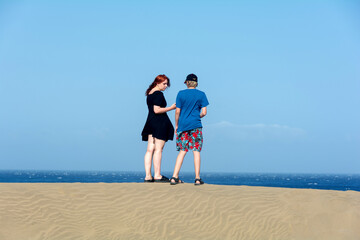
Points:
[(340, 182)]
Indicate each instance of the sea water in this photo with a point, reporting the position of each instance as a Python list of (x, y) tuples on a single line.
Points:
[(311, 181)]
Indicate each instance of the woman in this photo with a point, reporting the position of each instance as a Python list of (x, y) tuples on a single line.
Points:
[(158, 128)]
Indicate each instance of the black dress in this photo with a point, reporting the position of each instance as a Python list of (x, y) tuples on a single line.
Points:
[(159, 125)]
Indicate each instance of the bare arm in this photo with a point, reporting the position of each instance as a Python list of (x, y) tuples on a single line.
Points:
[(177, 115), (158, 109), (203, 112)]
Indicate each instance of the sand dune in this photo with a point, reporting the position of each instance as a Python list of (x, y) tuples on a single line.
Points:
[(160, 211)]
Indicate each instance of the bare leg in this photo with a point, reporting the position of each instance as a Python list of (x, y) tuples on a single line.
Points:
[(159, 145), (179, 161), (148, 157), (197, 161)]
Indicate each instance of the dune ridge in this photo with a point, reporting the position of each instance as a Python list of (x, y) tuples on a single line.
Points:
[(160, 211)]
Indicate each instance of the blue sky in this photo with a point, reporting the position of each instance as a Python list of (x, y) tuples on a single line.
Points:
[(282, 79)]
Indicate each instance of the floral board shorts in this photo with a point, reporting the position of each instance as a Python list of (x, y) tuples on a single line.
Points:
[(192, 139)]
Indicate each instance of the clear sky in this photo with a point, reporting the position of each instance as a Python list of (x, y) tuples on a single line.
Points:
[(282, 79)]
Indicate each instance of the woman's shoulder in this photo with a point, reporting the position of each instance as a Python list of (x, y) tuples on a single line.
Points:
[(156, 98)]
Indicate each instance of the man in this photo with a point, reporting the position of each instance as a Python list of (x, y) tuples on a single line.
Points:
[(190, 108)]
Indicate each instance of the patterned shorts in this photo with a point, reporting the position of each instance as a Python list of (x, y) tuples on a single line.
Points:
[(192, 139)]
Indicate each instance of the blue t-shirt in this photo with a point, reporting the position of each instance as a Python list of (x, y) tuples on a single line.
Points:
[(190, 101)]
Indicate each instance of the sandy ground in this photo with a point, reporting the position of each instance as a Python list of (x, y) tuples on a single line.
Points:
[(160, 211)]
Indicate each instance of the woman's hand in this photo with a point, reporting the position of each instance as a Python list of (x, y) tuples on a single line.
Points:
[(159, 110), (172, 107)]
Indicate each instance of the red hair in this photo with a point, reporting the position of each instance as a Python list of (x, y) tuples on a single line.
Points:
[(159, 79)]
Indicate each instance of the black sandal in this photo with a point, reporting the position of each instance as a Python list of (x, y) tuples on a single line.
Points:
[(198, 180), (149, 180), (162, 179), (176, 181)]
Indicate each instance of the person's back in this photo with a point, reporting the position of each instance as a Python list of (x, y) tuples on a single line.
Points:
[(190, 101), (190, 108)]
